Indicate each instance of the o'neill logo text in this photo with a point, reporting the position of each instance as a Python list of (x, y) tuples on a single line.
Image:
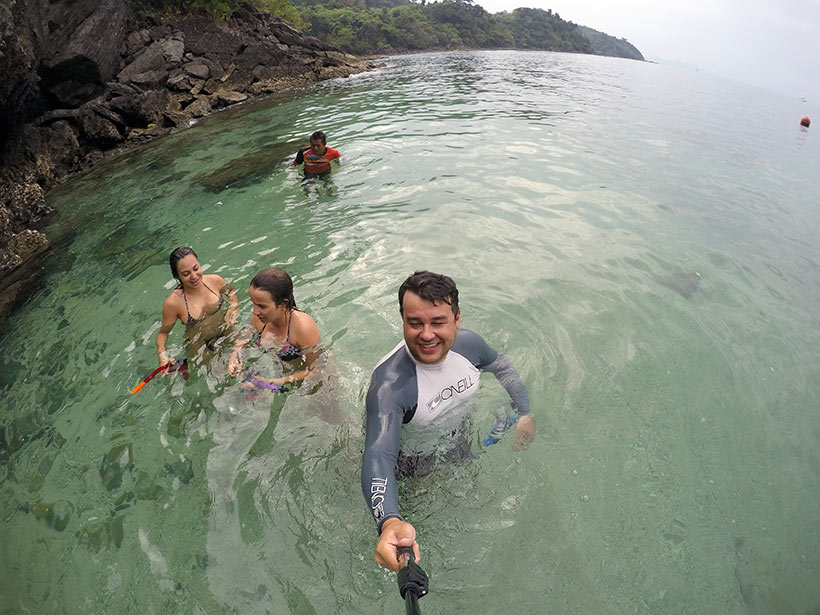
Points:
[(447, 392)]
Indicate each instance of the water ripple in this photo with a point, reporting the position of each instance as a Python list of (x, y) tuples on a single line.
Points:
[(647, 260)]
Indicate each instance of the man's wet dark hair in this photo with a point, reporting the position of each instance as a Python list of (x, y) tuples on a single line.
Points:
[(176, 256), (432, 287), (319, 136), (278, 285)]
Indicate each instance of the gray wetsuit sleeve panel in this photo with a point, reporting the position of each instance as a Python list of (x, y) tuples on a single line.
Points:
[(472, 346), (393, 395), (508, 377), (479, 353)]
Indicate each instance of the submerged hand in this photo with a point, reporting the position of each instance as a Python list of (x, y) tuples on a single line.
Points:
[(234, 365), (395, 533), (524, 432), (231, 316), (167, 363)]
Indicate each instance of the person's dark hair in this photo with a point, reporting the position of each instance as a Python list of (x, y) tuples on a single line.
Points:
[(319, 135), (277, 283), (176, 256), (432, 287)]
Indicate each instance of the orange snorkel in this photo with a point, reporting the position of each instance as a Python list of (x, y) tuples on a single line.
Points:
[(181, 367)]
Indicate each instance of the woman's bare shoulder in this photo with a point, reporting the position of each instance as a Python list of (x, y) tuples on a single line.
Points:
[(215, 280), (174, 299), (173, 306), (306, 328)]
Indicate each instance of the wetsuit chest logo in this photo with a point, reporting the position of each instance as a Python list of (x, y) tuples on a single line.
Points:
[(448, 392)]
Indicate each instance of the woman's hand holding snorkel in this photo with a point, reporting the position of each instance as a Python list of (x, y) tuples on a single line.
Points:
[(162, 355), (167, 362)]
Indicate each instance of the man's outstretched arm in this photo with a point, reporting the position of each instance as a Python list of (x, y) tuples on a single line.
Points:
[(382, 439)]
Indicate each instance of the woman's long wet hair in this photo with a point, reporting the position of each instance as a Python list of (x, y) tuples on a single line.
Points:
[(176, 256), (278, 284)]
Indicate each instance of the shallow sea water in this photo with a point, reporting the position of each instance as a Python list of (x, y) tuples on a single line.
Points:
[(640, 241)]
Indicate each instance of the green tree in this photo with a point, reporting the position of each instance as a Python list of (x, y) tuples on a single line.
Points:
[(221, 9), (282, 9), (410, 29), (539, 29)]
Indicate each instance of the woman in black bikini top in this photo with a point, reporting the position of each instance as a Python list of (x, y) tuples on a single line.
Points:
[(197, 297), (277, 323), (195, 321), (288, 352)]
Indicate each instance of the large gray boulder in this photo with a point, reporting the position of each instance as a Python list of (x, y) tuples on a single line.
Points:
[(19, 91), (152, 64), (77, 71)]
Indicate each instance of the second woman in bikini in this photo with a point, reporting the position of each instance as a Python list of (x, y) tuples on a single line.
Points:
[(279, 328)]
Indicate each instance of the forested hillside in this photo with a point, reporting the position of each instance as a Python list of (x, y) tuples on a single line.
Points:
[(395, 26), (387, 26), (605, 45)]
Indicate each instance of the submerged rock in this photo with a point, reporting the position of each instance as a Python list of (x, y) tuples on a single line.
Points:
[(99, 534), (182, 469), (685, 284), (113, 464), (146, 489), (55, 514), (248, 168)]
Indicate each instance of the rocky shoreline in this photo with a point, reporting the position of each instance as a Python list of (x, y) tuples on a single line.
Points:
[(84, 79)]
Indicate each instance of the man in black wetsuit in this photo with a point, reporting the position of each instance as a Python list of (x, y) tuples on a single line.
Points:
[(418, 396)]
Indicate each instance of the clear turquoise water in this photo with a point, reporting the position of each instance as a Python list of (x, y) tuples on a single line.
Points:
[(573, 199)]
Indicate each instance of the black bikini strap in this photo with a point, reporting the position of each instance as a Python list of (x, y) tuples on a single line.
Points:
[(209, 288), (187, 309), (259, 335), (287, 335)]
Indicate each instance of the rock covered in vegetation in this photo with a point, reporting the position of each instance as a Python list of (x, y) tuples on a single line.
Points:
[(82, 78)]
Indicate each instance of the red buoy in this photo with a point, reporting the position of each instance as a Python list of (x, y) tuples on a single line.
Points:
[(805, 122)]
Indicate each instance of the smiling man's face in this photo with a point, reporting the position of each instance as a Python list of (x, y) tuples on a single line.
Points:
[(429, 328)]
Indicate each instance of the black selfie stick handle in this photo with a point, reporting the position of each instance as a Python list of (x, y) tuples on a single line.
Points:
[(413, 581)]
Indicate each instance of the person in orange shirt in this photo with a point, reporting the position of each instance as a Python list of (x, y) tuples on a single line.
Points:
[(317, 156)]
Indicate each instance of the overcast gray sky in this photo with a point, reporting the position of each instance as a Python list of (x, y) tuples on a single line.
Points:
[(774, 44)]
